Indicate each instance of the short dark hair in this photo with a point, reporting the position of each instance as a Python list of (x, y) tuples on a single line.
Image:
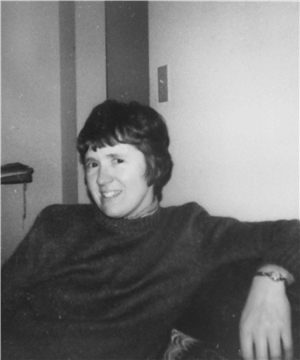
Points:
[(114, 122)]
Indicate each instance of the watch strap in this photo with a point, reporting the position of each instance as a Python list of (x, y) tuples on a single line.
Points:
[(274, 275)]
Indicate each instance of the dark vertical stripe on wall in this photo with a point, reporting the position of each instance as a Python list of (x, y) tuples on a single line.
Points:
[(68, 101), (127, 50)]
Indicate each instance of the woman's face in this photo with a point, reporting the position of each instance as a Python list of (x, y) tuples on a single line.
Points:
[(116, 180)]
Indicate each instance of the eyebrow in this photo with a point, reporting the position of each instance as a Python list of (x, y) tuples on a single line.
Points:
[(89, 159), (110, 156)]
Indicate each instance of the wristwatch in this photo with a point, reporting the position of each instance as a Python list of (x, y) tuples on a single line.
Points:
[(274, 275)]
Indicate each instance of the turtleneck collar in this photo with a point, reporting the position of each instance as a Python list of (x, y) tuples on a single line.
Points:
[(143, 223), (151, 209)]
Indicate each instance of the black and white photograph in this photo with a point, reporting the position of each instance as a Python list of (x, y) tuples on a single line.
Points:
[(150, 180)]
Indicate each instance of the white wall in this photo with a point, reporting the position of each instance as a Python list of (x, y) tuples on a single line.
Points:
[(30, 112), (234, 104)]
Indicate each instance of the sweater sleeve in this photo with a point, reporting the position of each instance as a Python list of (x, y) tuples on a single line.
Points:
[(283, 248), (225, 240), (26, 266)]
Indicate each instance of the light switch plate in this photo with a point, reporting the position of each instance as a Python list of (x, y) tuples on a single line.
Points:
[(162, 76)]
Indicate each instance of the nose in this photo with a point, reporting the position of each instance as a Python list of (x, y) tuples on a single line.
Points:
[(104, 177)]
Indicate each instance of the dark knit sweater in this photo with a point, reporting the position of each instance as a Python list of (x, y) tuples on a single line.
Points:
[(84, 286)]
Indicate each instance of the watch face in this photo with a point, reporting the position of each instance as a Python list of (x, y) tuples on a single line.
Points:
[(278, 277), (275, 276)]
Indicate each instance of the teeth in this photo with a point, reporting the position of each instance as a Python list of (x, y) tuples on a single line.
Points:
[(109, 194)]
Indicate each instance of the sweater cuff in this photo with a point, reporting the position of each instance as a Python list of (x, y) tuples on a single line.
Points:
[(287, 259)]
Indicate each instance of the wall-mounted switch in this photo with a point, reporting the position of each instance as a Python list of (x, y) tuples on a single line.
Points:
[(162, 73)]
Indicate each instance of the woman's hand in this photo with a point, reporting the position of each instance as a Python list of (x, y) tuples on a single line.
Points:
[(265, 326)]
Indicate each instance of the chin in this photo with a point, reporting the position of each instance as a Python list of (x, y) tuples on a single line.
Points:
[(113, 214)]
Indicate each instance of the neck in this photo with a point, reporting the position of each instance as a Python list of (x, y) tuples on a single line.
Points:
[(151, 209)]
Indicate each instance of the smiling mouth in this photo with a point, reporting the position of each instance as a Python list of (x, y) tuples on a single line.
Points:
[(110, 194)]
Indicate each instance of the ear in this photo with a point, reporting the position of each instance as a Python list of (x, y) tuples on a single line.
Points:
[(152, 171)]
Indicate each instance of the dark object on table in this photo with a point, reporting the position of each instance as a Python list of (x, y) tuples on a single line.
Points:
[(16, 173)]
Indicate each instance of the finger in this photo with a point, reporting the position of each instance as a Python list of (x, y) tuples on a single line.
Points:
[(261, 348), (287, 344), (247, 347), (275, 347)]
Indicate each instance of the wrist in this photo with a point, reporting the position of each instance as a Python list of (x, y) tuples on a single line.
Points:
[(275, 273), (265, 288)]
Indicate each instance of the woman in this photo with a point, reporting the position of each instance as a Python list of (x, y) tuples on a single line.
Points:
[(112, 280)]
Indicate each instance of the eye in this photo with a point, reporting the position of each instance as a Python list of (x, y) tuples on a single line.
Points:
[(90, 165), (118, 161)]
